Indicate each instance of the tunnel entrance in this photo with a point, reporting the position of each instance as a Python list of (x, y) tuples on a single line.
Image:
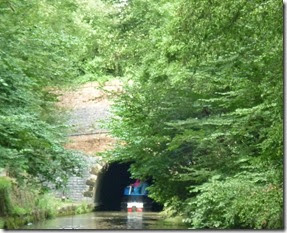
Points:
[(111, 183), (110, 187)]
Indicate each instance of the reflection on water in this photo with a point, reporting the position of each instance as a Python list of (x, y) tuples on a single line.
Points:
[(107, 220), (135, 220)]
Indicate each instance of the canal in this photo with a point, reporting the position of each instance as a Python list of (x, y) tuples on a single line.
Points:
[(109, 196), (108, 220)]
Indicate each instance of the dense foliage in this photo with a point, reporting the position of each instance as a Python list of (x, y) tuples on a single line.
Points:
[(203, 116), (42, 46)]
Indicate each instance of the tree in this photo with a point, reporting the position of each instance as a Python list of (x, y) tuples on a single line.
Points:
[(206, 103), (40, 48)]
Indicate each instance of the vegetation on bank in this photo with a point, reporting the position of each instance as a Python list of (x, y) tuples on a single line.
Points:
[(202, 116), (24, 205), (44, 45)]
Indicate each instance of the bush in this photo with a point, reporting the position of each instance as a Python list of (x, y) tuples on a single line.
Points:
[(48, 205), (237, 202), (5, 201), (83, 208)]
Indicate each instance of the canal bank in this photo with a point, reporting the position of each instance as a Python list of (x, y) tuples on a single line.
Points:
[(19, 220), (22, 205)]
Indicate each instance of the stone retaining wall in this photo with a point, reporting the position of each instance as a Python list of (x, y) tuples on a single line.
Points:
[(88, 106), (83, 188)]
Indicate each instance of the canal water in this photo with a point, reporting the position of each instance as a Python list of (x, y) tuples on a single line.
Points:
[(108, 221)]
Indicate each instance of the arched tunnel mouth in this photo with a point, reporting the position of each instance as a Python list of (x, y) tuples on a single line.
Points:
[(110, 186)]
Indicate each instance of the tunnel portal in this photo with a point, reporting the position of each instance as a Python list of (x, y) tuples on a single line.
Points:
[(110, 187)]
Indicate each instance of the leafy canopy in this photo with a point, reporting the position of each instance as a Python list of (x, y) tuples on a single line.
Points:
[(205, 101)]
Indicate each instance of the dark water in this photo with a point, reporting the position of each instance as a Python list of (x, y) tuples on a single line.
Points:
[(108, 220)]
